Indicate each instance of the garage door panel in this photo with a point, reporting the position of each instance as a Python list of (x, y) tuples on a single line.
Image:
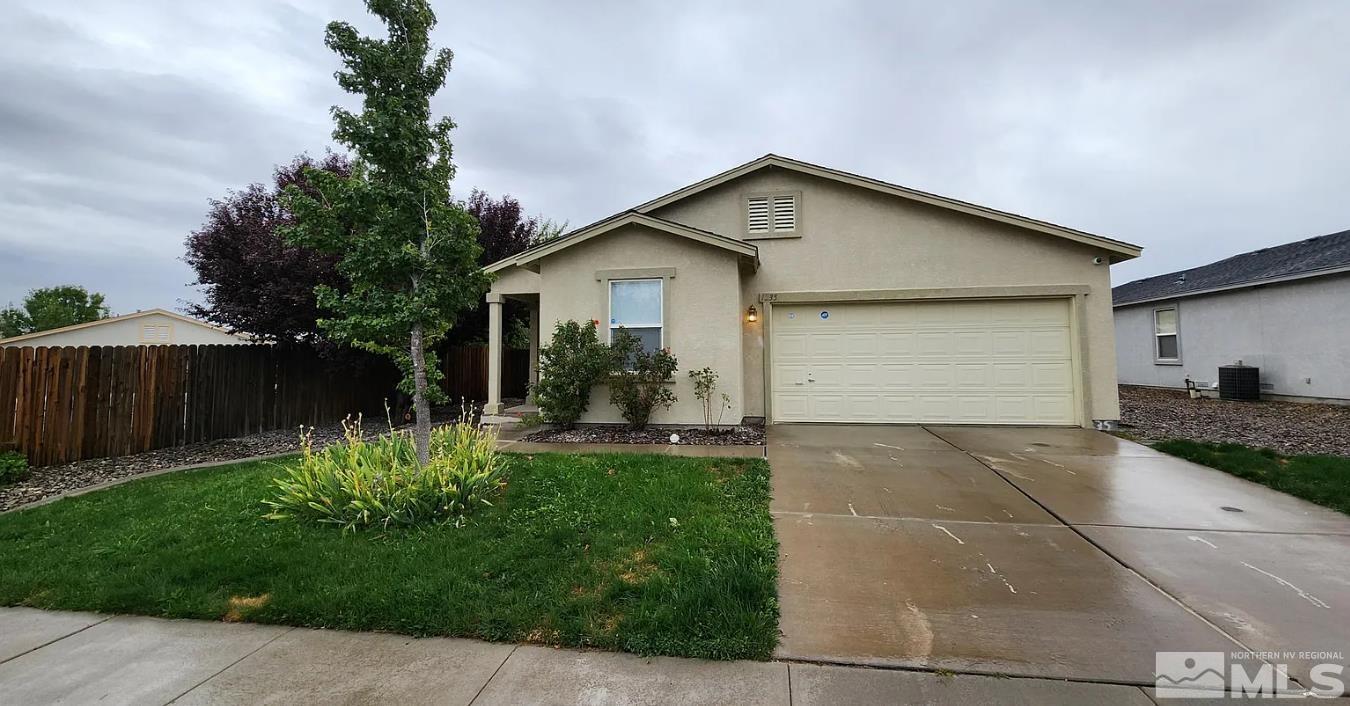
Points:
[(825, 345), (934, 375), (971, 375), (1052, 376), (788, 346), (998, 361)]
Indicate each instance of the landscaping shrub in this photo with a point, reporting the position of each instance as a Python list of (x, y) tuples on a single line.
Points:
[(705, 384), (13, 467), (640, 381), (359, 484), (569, 366)]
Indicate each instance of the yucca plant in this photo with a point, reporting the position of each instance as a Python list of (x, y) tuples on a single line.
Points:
[(357, 483)]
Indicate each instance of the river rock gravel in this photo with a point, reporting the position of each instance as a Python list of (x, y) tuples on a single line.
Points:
[(1154, 414)]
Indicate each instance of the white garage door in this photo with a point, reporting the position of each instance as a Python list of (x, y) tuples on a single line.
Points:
[(959, 362)]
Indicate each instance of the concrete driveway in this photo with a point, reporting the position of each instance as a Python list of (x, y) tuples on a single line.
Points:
[(1062, 553)]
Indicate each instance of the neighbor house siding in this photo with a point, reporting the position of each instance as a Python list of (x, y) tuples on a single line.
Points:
[(1293, 331), (128, 332), (856, 239), (702, 323)]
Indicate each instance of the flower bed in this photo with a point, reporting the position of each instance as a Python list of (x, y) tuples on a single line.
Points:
[(620, 434)]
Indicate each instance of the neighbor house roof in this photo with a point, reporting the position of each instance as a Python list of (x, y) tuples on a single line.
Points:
[(120, 317), (1313, 257), (620, 220), (1120, 250)]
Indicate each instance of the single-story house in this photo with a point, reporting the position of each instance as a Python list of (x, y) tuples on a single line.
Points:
[(152, 327), (1284, 309), (823, 296)]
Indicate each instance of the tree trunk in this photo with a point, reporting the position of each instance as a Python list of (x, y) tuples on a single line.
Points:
[(421, 406)]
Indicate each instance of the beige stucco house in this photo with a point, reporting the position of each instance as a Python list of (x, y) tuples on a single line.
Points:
[(152, 327), (823, 296)]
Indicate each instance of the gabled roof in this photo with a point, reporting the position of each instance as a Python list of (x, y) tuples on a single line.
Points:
[(120, 317), (581, 235), (1120, 249), (1313, 257)]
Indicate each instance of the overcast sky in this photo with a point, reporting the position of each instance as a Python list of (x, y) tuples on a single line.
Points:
[(1196, 129)]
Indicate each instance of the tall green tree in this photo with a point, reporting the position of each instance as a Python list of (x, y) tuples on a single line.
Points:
[(52, 307), (409, 253)]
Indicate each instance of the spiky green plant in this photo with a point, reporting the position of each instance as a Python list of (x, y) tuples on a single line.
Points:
[(357, 483)]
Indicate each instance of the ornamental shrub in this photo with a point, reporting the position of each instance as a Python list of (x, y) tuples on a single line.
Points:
[(569, 366), (641, 380), (360, 484), (13, 467), (705, 384)]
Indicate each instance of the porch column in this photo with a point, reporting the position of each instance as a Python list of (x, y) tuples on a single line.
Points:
[(494, 391), (534, 346)]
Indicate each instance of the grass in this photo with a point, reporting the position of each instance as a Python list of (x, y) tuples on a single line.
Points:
[(646, 554), (1324, 480)]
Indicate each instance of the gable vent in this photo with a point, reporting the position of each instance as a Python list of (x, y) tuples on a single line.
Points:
[(784, 212), (757, 214)]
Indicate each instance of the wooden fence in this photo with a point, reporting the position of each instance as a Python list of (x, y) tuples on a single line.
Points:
[(66, 404), (466, 372)]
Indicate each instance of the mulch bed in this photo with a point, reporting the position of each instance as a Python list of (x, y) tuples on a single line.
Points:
[(619, 434), (47, 481), (1153, 414)]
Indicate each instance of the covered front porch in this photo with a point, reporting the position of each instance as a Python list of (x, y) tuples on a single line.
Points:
[(495, 410)]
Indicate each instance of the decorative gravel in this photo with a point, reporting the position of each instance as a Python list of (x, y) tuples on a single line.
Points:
[(1152, 414), (53, 480), (619, 434)]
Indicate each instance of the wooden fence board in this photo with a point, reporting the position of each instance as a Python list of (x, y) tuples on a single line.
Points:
[(66, 404)]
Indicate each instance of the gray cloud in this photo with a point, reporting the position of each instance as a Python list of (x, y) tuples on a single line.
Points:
[(1196, 129)]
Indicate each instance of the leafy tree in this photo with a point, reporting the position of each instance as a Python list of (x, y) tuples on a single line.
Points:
[(255, 281), (640, 381), (52, 307), (569, 366), (409, 254), (503, 229)]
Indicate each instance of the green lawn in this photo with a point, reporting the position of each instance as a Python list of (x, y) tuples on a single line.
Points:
[(648, 554), (1324, 480)]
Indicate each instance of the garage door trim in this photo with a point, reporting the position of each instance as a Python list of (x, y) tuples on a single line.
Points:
[(1075, 295)]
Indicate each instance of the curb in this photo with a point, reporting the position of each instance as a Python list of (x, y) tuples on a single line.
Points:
[(148, 474)]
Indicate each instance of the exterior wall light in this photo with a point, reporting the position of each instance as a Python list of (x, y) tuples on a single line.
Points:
[(751, 315)]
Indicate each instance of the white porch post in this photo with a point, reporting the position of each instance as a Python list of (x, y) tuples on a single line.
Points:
[(494, 400), (534, 345)]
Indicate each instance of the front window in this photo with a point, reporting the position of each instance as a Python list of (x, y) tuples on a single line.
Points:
[(1167, 345), (636, 306)]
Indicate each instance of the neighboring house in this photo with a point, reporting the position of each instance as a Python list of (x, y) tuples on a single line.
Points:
[(1284, 309), (152, 327), (823, 296)]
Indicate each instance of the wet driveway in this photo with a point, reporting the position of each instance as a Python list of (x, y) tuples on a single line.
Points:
[(1061, 553)]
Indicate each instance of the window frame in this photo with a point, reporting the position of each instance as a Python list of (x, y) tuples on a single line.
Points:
[(772, 232), (609, 306), (1158, 359)]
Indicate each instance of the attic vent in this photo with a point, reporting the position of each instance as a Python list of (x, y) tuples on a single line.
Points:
[(771, 213), (757, 214), (784, 213)]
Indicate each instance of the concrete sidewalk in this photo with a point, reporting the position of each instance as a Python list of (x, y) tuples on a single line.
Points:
[(77, 658)]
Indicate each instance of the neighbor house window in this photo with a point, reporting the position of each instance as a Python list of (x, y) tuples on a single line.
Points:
[(636, 306), (771, 214), (1166, 338)]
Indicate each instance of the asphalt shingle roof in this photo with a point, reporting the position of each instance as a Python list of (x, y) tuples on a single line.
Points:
[(1325, 252)]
